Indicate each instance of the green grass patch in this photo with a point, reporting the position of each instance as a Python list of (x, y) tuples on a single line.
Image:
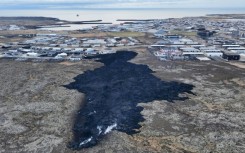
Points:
[(184, 33), (126, 34)]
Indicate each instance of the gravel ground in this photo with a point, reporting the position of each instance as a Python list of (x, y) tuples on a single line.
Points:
[(37, 112)]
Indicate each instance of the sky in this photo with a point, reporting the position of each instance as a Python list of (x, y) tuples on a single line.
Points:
[(118, 4)]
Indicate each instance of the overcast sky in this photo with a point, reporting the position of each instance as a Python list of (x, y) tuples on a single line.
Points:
[(72, 4)]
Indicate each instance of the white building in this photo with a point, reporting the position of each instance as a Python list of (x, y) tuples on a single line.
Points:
[(236, 48), (213, 53), (90, 51), (229, 46), (95, 42), (61, 55), (161, 55), (32, 54), (160, 33), (63, 45), (190, 51)]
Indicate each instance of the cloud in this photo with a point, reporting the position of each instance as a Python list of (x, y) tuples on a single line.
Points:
[(119, 3)]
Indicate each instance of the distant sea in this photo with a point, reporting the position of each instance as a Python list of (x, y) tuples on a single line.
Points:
[(112, 15)]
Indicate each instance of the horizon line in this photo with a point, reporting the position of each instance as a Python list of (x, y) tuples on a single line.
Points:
[(39, 8)]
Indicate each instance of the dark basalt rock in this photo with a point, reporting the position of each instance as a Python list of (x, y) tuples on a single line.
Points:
[(112, 95)]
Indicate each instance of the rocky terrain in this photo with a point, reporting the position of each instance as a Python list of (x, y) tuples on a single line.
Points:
[(38, 112)]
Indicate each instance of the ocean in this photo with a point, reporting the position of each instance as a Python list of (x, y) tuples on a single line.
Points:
[(112, 15)]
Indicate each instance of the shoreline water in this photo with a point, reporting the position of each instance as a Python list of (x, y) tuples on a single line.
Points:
[(114, 15), (111, 15)]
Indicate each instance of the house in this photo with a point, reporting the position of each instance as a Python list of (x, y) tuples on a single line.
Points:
[(191, 52), (26, 50), (53, 45), (176, 55), (238, 51), (229, 46), (75, 58), (56, 49), (52, 54), (213, 53), (78, 49), (161, 55), (75, 45), (5, 46), (230, 55), (26, 47), (186, 41), (62, 55), (236, 48), (67, 49), (205, 33), (47, 35), (160, 33), (95, 42), (97, 45), (90, 51), (107, 51), (163, 42), (111, 41), (157, 46), (86, 45), (117, 38), (62, 45), (120, 45), (32, 54), (235, 33), (110, 45), (197, 46), (133, 40), (173, 36)]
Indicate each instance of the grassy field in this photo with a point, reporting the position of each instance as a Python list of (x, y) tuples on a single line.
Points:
[(125, 34), (108, 34), (74, 33), (88, 35), (185, 33)]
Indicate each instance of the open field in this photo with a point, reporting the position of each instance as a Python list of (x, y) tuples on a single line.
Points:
[(183, 33), (88, 35), (37, 111), (107, 34), (125, 34)]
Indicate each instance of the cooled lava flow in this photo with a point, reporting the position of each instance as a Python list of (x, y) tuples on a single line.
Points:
[(112, 94)]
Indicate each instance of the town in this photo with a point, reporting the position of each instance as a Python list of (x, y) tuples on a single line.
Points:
[(190, 38)]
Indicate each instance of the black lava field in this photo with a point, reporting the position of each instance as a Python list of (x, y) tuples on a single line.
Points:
[(112, 93)]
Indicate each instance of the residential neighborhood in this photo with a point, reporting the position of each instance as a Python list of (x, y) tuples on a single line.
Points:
[(61, 47), (188, 38)]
